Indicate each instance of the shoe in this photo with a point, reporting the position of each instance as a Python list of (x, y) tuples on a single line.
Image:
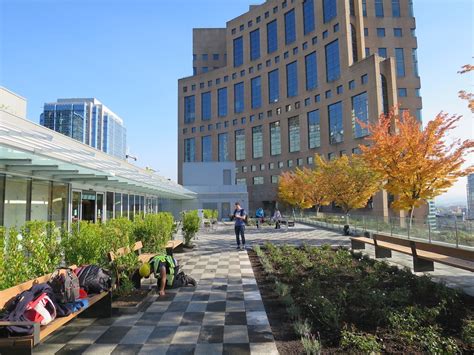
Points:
[(238, 247), (244, 247)]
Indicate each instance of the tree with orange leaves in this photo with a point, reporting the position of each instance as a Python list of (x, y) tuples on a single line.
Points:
[(416, 164), (463, 94), (292, 189), (349, 183), (315, 187)]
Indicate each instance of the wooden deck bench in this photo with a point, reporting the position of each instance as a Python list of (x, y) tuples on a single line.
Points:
[(99, 306), (424, 254), (138, 246)]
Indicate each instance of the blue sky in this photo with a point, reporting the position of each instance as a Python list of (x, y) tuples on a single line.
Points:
[(130, 54)]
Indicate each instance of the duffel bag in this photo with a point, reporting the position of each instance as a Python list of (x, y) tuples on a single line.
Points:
[(93, 279)]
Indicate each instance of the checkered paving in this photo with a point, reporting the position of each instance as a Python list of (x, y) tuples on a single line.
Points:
[(223, 314)]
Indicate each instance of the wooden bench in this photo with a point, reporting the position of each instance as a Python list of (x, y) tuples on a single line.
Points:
[(19, 345), (424, 254), (138, 246)]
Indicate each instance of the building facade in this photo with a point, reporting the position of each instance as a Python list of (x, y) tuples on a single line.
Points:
[(215, 187), (89, 122), (470, 196), (287, 80), (47, 176)]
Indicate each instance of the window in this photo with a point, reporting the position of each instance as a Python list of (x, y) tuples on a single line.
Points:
[(380, 32), (366, 32), (317, 98), (397, 32), (364, 79), (274, 179), (418, 114), (410, 8), (189, 150), (329, 10), (311, 66), (271, 166), (328, 94), (352, 8), (275, 138), (364, 8), (262, 166), (336, 130), (335, 28), (289, 163), (206, 106), (396, 8), (308, 16), (290, 30), (206, 148), (240, 144), (307, 101), (205, 57), (241, 181), (367, 51), (382, 52), (292, 79), (222, 102), (400, 62), (257, 142), (272, 39), (333, 70), (379, 8), (238, 51), (223, 146), (402, 92), (339, 89), (325, 34), (239, 97), (273, 86), (205, 69), (351, 85), (418, 92), (314, 129), (256, 92), (414, 59), (360, 112), (355, 55), (255, 44), (189, 109), (299, 161), (384, 94), (258, 180), (215, 56), (294, 134)]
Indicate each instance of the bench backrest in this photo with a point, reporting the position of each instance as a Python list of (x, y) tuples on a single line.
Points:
[(125, 250), (434, 248)]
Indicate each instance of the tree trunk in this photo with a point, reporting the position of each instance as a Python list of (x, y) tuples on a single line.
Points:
[(411, 219), (317, 210)]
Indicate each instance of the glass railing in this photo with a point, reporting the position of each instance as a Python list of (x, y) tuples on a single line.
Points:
[(455, 232)]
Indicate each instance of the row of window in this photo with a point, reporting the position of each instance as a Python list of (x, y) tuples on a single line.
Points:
[(311, 70), (399, 54), (329, 10), (222, 108), (397, 32), (335, 125), (379, 10), (205, 57)]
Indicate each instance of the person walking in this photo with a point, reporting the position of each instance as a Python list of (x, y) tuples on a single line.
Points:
[(239, 218), (277, 218)]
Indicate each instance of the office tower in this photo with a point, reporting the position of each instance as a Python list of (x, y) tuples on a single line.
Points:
[(287, 79), (470, 196), (88, 121)]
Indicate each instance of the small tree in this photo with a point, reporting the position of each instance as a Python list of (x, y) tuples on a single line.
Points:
[(350, 183), (191, 222), (416, 164), (292, 189), (463, 94), (315, 187)]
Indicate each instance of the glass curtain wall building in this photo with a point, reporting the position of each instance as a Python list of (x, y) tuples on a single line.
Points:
[(297, 80), (87, 121)]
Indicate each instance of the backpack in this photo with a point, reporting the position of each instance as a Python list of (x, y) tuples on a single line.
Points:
[(41, 310), (246, 219), (93, 279), (65, 285)]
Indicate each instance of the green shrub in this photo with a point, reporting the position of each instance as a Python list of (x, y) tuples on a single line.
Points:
[(16, 270), (41, 243), (210, 214), (2, 258), (191, 223), (363, 343), (302, 328), (85, 244), (154, 230), (118, 233), (468, 332), (311, 345)]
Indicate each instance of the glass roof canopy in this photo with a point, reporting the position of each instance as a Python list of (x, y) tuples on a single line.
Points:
[(28, 148)]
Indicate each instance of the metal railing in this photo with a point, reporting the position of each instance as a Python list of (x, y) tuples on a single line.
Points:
[(454, 232)]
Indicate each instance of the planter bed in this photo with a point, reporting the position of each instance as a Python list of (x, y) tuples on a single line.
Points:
[(355, 304), (133, 301)]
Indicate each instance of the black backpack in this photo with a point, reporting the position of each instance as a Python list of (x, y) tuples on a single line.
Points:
[(94, 279), (65, 285)]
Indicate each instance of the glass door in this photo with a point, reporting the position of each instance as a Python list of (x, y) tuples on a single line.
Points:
[(99, 207), (76, 206)]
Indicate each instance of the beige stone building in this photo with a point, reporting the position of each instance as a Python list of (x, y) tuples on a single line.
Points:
[(285, 81)]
